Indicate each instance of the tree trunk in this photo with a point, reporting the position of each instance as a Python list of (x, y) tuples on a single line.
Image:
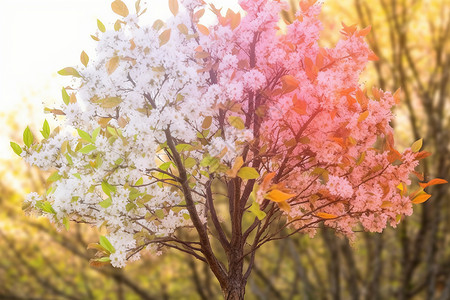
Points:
[(234, 291)]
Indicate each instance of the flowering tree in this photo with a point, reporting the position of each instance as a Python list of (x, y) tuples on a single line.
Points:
[(214, 140)]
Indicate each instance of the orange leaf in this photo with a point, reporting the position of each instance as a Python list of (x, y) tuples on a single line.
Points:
[(164, 37), (397, 95), (183, 28), (326, 215), (433, 182), (310, 69), (365, 31), (203, 29), (290, 83), (119, 8), (299, 105), (422, 154), (373, 57), (198, 14), (363, 116), (173, 6), (278, 196), (421, 198), (84, 58), (235, 21), (266, 181)]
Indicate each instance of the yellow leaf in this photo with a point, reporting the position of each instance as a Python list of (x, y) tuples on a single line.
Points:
[(173, 6), (112, 64), (203, 29), (326, 215), (84, 58), (283, 205), (164, 37), (100, 26), (120, 8), (415, 147), (421, 198), (238, 163), (278, 196)]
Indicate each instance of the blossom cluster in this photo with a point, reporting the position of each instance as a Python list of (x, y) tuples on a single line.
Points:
[(241, 88)]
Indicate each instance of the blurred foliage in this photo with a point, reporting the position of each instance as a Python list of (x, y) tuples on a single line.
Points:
[(412, 39)]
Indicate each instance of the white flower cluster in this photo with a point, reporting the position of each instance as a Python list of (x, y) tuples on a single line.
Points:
[(142, 82)]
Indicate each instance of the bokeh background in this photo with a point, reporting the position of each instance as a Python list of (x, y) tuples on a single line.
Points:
[(412, 39)]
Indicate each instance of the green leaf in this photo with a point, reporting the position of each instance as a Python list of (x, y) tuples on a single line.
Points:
[(69, 71), (118, 161), (248, 173), (69, 159), (87, 149), (54, 177), (106, 244), (104, 259), (165, 166), (110, 102), (45, 206), (16, 148), (84, 135), (95, 134), (190, 162), (77, 175), (257, 211), (236, 122), (106, 203), (45, 130), (140, 181), (28, 137), (66, 223), (107, 188), (159, 213), (65, 96), (100, 26), (183, 147)]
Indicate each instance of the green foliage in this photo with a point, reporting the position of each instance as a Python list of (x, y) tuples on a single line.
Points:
[(45, 130), (65, 96), (28, 137), (100, 26), (87, 149), (69, 71), (16, 148), (106, 244), (248, 173)]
